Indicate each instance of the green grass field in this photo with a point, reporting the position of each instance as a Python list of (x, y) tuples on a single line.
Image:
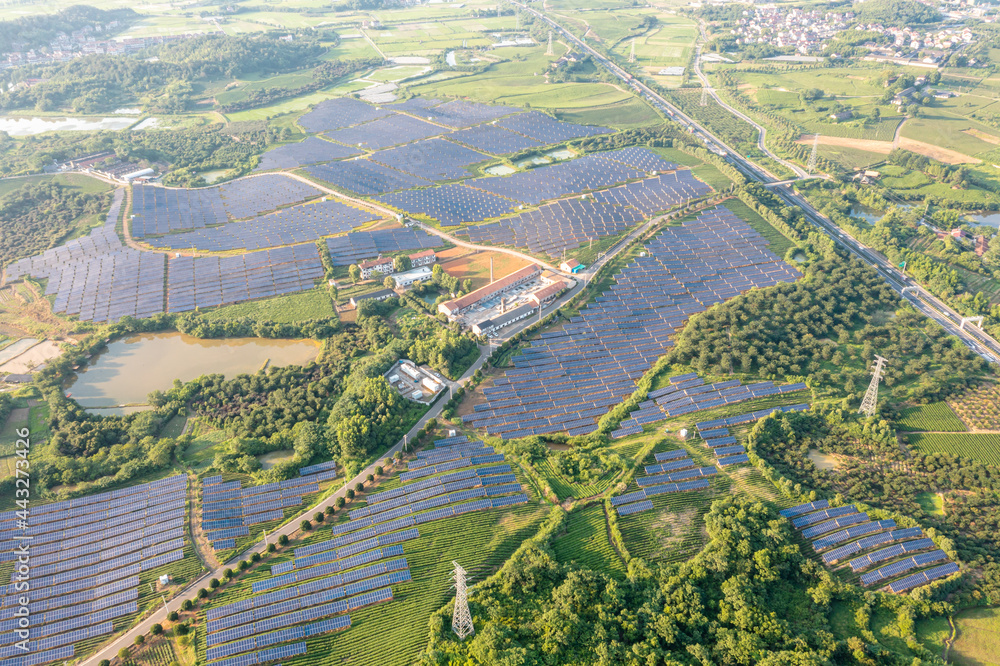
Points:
[(982, 447), (300, 306), (77, 182), (978, 639), (931, 503), (937, 416), (586, 541), (940, 128), (624, 114)]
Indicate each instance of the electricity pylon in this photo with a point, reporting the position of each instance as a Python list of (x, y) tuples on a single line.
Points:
[(811, 167), (631, 55), (871, 395), (549, 51), (704, 97), (461, 621)]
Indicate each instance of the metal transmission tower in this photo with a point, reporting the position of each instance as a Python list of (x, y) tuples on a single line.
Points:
[(631, 54), (871, 395), (461, 621), (549, 51), (704, 97), (811, 167)]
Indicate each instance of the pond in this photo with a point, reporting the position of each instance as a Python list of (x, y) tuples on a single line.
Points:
[(499, 170), (987, 219), (29, 126), (130, 368), (866, 213)]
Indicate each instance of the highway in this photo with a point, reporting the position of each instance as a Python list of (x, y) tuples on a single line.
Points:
[(975, 339)]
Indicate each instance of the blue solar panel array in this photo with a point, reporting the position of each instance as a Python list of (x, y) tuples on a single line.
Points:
[(818, 520), (365, 177), (359, 245), (434, 159), (311, 151), (87, 554), (545, 129), (228, 510), (197, 282), (386, 131), (566, 380), (96, 277), (160, 210), (333, 114), (298, 224), (451, 204)]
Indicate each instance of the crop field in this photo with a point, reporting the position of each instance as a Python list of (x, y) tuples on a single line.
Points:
[(161, 653), (984, 447), (935, 417), (852, 158), (300, 306), (519, 82), (942, 129), (586, 541), (882, 130), (831, 80), (394, 633), (624, 114), (979, 407), (732, 129)]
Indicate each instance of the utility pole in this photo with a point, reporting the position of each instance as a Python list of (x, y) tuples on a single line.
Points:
[(871, 395), (461, 621)]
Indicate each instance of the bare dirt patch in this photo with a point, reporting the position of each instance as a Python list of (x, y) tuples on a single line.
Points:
[(32, 358), (983, 136), (883, 147), (475, 265), (671, 527), (935, 152)]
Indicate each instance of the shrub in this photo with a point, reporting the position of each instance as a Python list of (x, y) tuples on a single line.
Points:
[(244, 565), (156, 629), (228, 573), (187, 605), (123, 654), (214, 583), (329, 510), (202, 593), (319, 517), (104, 662), (255, 557), (371, 477), (271, 548), (359, 487), (305, 525), (350, 493), (140, 639), (181, 630), (339, 503), (283, 540), (172, 616)]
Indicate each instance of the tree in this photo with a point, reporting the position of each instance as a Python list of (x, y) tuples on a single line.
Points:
[(123, 654), (305, 526), (402, 263), (156, 629), (388, 282), (355, 272), (140, 639)]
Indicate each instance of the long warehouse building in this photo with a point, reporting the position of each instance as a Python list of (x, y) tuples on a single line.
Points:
[(457, 306)]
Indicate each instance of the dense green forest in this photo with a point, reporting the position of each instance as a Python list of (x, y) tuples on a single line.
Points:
[(877, 471), (749, 597), (899, 13), (790, 329), (34, 218), (188, 151), (32, 32), (160, 79)]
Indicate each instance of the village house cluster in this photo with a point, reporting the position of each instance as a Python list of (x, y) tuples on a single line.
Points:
[(807, 31), (84, 42)]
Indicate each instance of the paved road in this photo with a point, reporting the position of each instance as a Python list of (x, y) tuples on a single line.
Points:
[(761, 130), (159, 616), (976, 340)]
